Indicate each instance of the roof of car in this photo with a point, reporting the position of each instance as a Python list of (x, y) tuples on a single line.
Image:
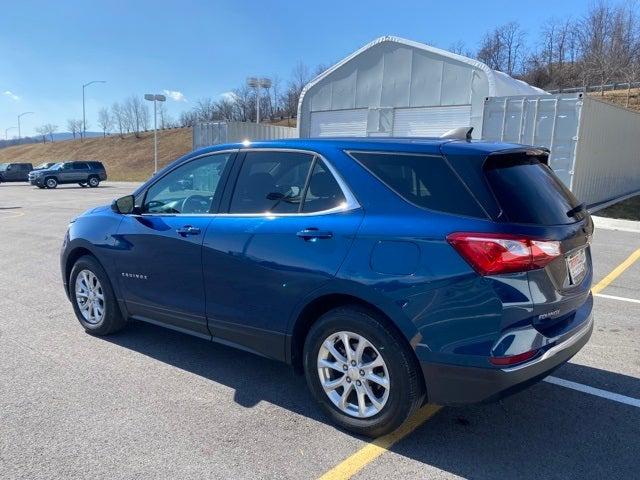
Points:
[(409, 144)]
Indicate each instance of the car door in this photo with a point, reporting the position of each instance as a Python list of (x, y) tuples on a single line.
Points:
[(159, 258), (12, 172), (288, 227), (66, 173), (80, 172)]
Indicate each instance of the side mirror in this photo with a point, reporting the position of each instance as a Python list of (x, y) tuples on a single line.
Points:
[(124, 205)]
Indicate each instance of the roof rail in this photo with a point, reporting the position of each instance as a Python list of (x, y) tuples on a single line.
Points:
[(460, 133)]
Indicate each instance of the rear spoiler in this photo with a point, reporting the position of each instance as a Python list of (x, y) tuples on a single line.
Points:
[(541, 152)]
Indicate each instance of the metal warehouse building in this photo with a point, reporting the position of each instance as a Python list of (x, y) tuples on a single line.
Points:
[(397, 87)]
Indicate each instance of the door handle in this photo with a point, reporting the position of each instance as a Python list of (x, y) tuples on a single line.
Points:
[(313, 234), (188, 230)]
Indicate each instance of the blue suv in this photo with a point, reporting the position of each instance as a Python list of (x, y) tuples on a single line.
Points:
[(390, 271)]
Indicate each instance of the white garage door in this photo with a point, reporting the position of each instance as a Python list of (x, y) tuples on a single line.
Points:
[(339, 123), (429, 121)]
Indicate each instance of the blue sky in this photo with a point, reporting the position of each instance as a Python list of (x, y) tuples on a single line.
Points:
[(206, 48)]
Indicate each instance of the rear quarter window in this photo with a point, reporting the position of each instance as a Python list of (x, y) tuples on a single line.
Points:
[(426, 181)]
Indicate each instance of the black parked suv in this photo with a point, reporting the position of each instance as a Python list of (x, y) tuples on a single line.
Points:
[(82, 173), (15, 172)]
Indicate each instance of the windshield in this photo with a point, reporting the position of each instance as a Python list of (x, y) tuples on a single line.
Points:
[(44, 165), (3, 166), (57, 166)]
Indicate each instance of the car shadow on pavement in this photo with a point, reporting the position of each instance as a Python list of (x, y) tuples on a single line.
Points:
[(546, 431), (253, 378)]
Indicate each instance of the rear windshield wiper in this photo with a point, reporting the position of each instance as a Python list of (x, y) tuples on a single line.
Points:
[(575, 210)]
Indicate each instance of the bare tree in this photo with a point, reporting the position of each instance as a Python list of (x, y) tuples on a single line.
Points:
[(74, 126), (50, 129), (43, 132), (118, 118), (502, 49), (135, 115), (105, 120)]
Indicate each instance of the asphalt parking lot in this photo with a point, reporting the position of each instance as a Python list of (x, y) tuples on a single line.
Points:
[(152, 403)]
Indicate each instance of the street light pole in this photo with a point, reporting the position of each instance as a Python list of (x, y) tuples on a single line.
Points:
[(6, 130), (155, 98), (23, 113), (84, 122), (258, 83)]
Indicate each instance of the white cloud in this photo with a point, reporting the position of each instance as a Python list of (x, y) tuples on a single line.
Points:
[(11, 95), (229, 96), (175, 95)]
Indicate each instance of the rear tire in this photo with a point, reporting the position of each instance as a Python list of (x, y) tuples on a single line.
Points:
[(359, 413), (83, 185), (92, 297), (51, 182), (94, 182)]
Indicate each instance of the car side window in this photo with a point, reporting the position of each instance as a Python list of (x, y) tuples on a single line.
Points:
[(323, 192), (188, 189), (271, 181), (81, 166)]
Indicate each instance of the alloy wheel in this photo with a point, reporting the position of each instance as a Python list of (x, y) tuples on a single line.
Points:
[(353, 374), (90, 297)]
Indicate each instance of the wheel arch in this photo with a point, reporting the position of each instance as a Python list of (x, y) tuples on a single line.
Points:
[(321, 304)]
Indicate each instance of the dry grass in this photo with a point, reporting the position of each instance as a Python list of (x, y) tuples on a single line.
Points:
[(127, 158), (628, 209), (619, 97)]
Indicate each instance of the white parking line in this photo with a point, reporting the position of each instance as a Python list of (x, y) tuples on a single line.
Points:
[(613, 297), (616, 397)]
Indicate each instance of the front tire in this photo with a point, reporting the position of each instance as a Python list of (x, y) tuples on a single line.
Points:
[(94, 182), (51, 182), (361, 371), (94, 302)]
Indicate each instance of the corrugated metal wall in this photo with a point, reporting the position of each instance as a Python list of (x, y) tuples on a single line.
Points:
[(595, 146), (213, 133), (608, 153), (543, 120)]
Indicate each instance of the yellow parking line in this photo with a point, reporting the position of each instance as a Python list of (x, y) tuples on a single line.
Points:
[(615, 273), (373, 450)]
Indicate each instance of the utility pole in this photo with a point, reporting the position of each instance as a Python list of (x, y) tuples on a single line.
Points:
[(84, 121), (6, 131), (155, 98), (23, 113)]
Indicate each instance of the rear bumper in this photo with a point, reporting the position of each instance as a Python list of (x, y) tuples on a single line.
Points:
[(453, 385)]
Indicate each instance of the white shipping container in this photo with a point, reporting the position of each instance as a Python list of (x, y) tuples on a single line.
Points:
[(595, 146)]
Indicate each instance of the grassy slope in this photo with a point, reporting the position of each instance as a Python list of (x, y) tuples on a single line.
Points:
[(127, 158)]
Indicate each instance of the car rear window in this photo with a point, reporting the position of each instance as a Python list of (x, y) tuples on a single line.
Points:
[(529, 192), (424, 180)]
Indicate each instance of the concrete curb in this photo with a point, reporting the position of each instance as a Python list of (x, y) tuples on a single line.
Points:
[(616, 224)]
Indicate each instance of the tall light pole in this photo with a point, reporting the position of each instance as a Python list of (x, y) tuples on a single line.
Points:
[(258, 83), (6, 131), (23, 113), (84, 122), (155, 98)]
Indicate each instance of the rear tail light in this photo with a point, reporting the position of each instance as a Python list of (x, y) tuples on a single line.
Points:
[(492, 254)]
